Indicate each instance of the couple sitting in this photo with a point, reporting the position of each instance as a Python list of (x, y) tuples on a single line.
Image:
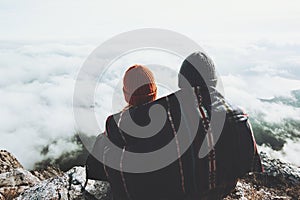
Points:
[(195, 160)]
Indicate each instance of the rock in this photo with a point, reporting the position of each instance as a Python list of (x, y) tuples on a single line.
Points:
[(49, 183), (12, 192), (68, 186), (279, 181), (47, 173), (281, 170), (245, 190), (13, 178), (18, 177), (8, 162)]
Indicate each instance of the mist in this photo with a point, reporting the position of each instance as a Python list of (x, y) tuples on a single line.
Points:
[(37, 83)]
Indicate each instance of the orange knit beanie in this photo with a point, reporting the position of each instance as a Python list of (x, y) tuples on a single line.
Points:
[(138, 85)]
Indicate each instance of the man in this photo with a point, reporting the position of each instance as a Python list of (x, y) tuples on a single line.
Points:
[(234, 153)]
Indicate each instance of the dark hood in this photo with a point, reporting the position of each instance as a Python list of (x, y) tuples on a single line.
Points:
[(197, 70)]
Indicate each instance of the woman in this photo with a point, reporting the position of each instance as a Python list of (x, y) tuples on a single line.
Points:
[(138, 88)]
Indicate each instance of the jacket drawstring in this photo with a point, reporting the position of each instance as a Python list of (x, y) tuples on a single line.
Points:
[(207, 127), (177, 145)]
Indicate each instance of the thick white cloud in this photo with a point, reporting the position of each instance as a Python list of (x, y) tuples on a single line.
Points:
[(37, 82), (289, 153), (259, 70), (247, 92), (36, 90)]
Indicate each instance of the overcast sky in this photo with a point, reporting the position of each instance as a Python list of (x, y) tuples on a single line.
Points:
[(67, 19)]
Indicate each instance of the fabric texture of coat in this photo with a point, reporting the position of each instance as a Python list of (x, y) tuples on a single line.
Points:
[(188, 177)]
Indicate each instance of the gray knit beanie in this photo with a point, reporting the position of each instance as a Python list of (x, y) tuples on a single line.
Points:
[(197, 70)]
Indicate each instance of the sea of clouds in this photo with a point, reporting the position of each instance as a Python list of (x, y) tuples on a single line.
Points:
[(37, 81)]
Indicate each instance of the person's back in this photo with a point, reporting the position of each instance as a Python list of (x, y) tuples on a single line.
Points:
[(150, 185), (189, 113), (234, 154)]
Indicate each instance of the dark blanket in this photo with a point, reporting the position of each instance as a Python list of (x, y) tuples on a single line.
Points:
[(188, 176)]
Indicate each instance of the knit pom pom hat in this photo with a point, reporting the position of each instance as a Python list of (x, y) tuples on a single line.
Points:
[(138, 85)]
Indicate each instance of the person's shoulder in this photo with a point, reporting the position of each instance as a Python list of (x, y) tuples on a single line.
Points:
[(109, 118), (111, 122), (114, 116), (233, 111), (237, 113)]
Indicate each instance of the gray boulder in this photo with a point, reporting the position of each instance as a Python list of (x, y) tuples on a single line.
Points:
[(68, 186)]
